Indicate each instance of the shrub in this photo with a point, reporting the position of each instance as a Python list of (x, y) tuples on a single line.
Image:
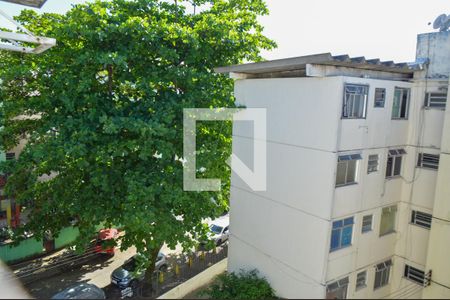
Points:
[(245, 285)]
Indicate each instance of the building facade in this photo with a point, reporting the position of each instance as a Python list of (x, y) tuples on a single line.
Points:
[(357, 199), (10, 212)]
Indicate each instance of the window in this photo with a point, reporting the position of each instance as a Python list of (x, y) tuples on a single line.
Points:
[(10, 156), (337, 289), (367, 224), (347, 168), (414, 274), (341, 234), (361, 280), (382, 272), (421, 219), (373, 164), (394, 162), (401, 103), (435, 100), (380, 97), (429, 161), (355, 101), (387, 224)]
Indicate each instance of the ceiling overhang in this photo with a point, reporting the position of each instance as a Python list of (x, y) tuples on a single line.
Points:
[(32, 3), (297, 66)]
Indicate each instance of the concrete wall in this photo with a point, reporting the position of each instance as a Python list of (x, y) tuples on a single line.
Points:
[(280, 230), (285, 231), (301, 191), (287, 228), (438, 249), (295, 103), (436, 47), (375, 134), (377, 130), (196, 282)]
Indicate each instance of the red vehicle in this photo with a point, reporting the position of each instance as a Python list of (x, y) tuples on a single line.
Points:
[(103, 236)]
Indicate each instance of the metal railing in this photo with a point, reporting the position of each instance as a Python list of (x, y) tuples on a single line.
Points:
[(181, 268)]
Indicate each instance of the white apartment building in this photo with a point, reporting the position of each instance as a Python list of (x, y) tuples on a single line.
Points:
[(358, 175)]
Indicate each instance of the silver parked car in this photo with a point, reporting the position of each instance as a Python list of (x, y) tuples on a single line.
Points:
[(81, 291), (128, 274)]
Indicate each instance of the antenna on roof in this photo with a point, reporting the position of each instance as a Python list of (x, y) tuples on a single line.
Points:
[(442, 22)]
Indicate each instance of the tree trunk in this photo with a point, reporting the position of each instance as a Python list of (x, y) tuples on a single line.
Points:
[(150, 272)]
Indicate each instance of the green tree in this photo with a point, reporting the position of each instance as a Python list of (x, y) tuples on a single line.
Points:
[(103, 113)]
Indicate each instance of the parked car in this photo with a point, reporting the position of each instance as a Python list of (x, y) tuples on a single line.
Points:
[(105, 235), (219, 229), (81, 291), (128, 274)]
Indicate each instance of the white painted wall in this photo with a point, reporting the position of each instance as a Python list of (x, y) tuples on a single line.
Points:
[(299, 109), (378, 129), (436, 47), (438, 249), (281, 230), (288, 180), (285, 231), (276, 240)]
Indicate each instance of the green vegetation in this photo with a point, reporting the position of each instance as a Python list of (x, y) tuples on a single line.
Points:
[(245, 285), (103, 114)]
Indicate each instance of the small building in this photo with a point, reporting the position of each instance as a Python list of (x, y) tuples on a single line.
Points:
[(358, 172)]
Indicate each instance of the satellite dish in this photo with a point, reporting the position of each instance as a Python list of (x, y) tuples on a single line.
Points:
[(442, 22), (439, 21)]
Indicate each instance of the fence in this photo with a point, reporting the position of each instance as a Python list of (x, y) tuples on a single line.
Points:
[(30, 271), (26, 248), (32, 247), (66, 237), (181, 268)]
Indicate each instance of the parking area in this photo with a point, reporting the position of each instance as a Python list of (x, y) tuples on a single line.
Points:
[(97, 270)]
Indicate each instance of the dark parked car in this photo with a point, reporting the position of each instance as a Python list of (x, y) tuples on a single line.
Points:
[(129, 275), (81, 291)]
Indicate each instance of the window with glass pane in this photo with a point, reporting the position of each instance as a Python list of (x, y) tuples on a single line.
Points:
[(355, 101), (337, 289), (428, 161), (388, 216), (361, 279), (394, 162), (400, 105), (372, 164), (382, 272), (367, 224), (436, 100), (341, 234), (380, 97), (347, 169)]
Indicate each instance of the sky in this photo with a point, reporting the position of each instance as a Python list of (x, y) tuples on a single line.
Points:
[(384, 29)]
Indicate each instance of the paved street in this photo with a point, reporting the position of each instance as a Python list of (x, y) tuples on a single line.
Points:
[(96, 271)]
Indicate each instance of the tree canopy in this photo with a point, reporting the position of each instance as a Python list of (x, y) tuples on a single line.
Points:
[(102, 112)]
